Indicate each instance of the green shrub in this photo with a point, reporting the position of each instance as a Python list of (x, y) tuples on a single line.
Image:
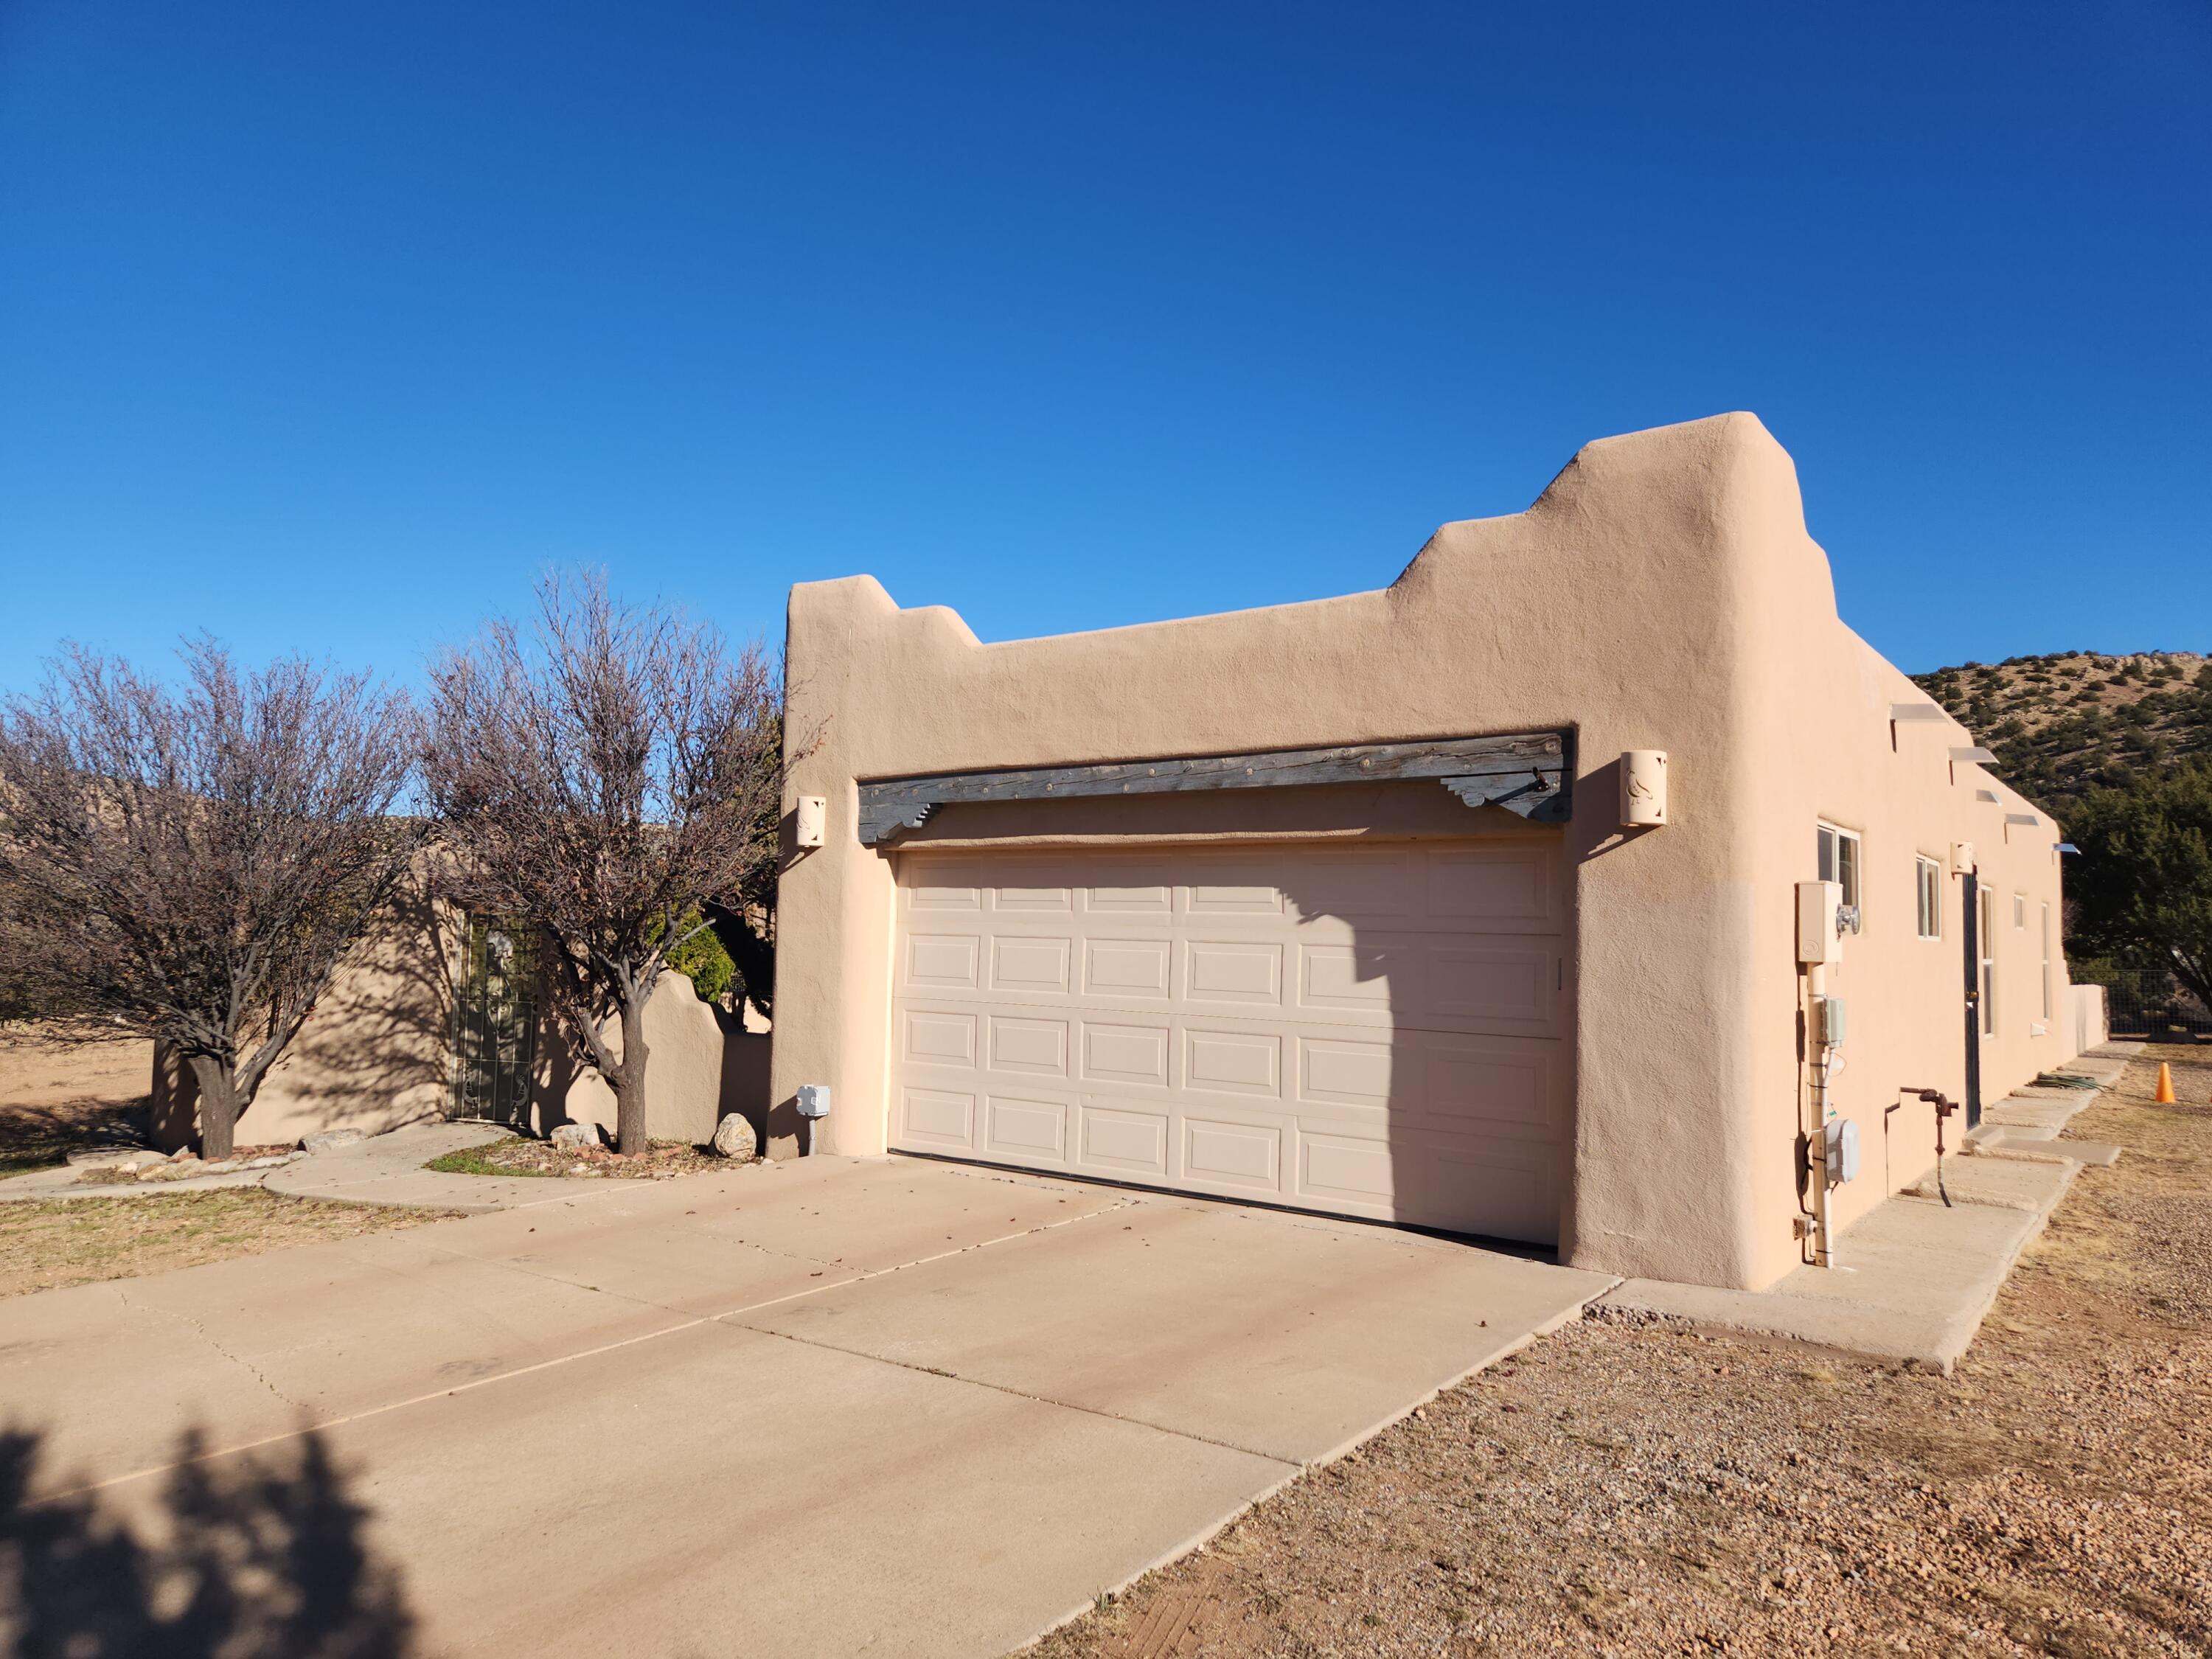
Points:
[(702, 959)]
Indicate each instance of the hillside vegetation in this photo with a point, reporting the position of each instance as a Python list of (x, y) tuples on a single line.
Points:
[(2065, 723)]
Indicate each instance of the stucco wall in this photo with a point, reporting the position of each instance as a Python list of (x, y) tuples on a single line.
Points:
[(373, 1055), (1662, 593), (700, 1063), (377, 1053)]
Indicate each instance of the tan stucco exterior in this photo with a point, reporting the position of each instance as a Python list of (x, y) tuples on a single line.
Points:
[(378, 1053), (1662, 593)]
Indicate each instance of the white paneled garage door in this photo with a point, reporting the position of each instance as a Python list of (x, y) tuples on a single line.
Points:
[(1377, 1030)]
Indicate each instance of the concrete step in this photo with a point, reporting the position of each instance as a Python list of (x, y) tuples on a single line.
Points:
[(2000, 1141)]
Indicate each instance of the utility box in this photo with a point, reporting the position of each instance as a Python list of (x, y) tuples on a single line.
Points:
[(813, 1100), (1820, 941), (810, 821), (1843, 1149), (1828, 1022)]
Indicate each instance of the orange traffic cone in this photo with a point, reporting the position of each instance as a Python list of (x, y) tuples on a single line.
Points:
[(2165, 1084)]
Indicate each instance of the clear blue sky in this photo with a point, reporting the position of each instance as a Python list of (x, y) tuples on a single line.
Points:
[(327, 326)]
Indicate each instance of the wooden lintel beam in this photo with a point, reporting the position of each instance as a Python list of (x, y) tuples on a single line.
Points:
[(1525, 773)]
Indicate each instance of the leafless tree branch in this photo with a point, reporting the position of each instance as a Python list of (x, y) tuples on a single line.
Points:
[(198, 864), (598, 777)]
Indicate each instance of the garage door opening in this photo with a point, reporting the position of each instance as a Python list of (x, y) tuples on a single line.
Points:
[(1378, 1030)]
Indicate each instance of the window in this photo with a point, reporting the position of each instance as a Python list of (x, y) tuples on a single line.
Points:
[(1839, 860), (2046, 963), (1987, 917), (2020, 910), (1929, 876)]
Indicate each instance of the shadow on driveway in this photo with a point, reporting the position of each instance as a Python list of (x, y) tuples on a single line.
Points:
[(257, 1556)]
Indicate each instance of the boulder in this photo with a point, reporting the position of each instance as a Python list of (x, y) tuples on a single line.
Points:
[(575, 1137), (734, 1138), (326, 1140)]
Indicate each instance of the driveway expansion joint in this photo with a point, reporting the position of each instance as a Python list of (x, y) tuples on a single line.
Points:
[(1291, 1465), (201, 1332)]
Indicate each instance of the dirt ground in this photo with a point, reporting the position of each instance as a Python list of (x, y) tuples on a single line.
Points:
[(1631, 1488), (512, 1155), (55, 1099)]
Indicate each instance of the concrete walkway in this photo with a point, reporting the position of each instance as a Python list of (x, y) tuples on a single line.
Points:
[(1916, 1277), (388, 1170), (837, 1406)]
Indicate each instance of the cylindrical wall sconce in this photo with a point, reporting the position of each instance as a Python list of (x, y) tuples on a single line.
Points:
[(1643, 788)]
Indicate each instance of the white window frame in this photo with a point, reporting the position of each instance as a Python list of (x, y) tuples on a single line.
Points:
[(1927, 895), (1840, 856), (2048, 988), (1987, 901)]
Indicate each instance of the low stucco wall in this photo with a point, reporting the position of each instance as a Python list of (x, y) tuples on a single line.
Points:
[(1662, 593), (377, 1053), (700, 1063), (2090, 1021), (373, 1054)]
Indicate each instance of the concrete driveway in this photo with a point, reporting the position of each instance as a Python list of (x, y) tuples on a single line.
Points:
[(880, 1407)]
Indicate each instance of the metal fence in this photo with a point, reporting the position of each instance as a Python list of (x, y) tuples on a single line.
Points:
[(2150, 1002)]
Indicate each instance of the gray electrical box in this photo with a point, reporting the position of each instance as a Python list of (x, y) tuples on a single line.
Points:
[(1843, 1139), (1828, 1022), (814, 1100)]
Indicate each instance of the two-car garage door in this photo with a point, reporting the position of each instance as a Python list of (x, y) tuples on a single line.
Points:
[(1375, 1030)]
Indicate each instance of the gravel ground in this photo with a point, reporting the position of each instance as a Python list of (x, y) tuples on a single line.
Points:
[(1633, 1486)]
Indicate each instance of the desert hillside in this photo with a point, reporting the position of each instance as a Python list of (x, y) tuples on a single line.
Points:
[(2067, 722)]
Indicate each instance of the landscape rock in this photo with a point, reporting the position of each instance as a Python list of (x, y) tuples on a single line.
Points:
[(325, 1140), (576, 1136), (734, 1137), (115, 1157), (109, 1169)]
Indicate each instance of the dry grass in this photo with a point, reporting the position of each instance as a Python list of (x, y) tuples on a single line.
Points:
[(57, 1096), (81, 1241), (1629, 1488)]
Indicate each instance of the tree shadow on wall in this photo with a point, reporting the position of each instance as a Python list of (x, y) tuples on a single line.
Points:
[(255, 1556)]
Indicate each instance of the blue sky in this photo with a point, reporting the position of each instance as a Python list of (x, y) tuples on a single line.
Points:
[(327, 327)]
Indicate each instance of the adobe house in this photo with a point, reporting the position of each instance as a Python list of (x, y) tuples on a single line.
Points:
[(1337, 905)]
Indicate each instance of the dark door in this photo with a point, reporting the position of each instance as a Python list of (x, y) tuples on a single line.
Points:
[(494, 1026), (1972, 918)]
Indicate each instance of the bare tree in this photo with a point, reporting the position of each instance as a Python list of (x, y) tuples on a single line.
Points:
[(599, 778), (196, 864)]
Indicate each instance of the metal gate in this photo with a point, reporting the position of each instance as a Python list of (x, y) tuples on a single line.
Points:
[(494, 1024)]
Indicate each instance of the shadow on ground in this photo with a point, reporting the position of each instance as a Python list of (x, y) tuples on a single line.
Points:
[(259, 1555)]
